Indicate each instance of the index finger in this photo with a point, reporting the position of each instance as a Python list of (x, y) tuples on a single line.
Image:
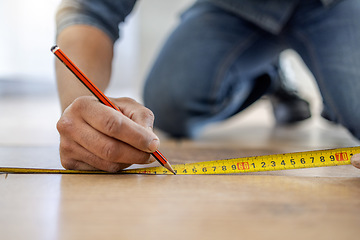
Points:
[(115, 124), (135, 111)]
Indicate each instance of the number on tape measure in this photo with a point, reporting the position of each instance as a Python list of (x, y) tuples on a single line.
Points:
[(332, 157), (321, 158)]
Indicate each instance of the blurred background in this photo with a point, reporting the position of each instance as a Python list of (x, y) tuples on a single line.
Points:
[(29, 108)]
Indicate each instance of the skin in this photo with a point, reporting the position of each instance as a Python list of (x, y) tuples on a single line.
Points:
[(92, 135), (355, 160)]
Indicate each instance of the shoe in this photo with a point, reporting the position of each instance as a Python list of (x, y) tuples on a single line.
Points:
[(288, 106)]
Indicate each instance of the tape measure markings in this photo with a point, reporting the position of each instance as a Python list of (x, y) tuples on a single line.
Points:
[(309, 159)]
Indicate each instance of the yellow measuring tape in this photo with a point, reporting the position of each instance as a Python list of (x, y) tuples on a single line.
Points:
[(309, 159)]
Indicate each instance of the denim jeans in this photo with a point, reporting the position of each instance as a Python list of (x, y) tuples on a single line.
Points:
[(209, 68)]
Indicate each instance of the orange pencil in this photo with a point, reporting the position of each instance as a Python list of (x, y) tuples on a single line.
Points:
[(101, 96)]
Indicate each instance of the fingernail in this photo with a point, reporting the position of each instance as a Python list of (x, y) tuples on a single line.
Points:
[(154, 145), (355, 160)]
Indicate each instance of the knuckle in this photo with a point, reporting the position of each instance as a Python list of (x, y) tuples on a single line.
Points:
[(65, 147), (66, 155), (65, 125), (148, 114), (112, 123), (109, 151), (69, 164)]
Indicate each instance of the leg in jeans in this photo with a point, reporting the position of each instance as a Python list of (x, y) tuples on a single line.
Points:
[(328, 41), (208, 70)]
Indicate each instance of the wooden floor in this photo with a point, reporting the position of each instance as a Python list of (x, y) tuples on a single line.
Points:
[(318, 203)]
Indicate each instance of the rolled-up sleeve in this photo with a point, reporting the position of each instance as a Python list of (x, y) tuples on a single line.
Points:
[(103, 14)]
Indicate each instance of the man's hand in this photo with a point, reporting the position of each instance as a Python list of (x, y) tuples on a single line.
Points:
[(92, 135), (355, 160), (95, 136)]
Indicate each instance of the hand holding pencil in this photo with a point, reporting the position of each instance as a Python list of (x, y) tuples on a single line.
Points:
[(104, 136)]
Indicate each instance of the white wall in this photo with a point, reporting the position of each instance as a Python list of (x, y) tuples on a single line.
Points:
[(27, 32), (26, 36)]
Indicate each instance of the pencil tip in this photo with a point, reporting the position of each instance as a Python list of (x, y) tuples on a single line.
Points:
[(172, 170), (168, 167)]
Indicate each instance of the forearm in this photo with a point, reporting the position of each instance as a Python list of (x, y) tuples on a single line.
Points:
[(92, 51), (93, 136)]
